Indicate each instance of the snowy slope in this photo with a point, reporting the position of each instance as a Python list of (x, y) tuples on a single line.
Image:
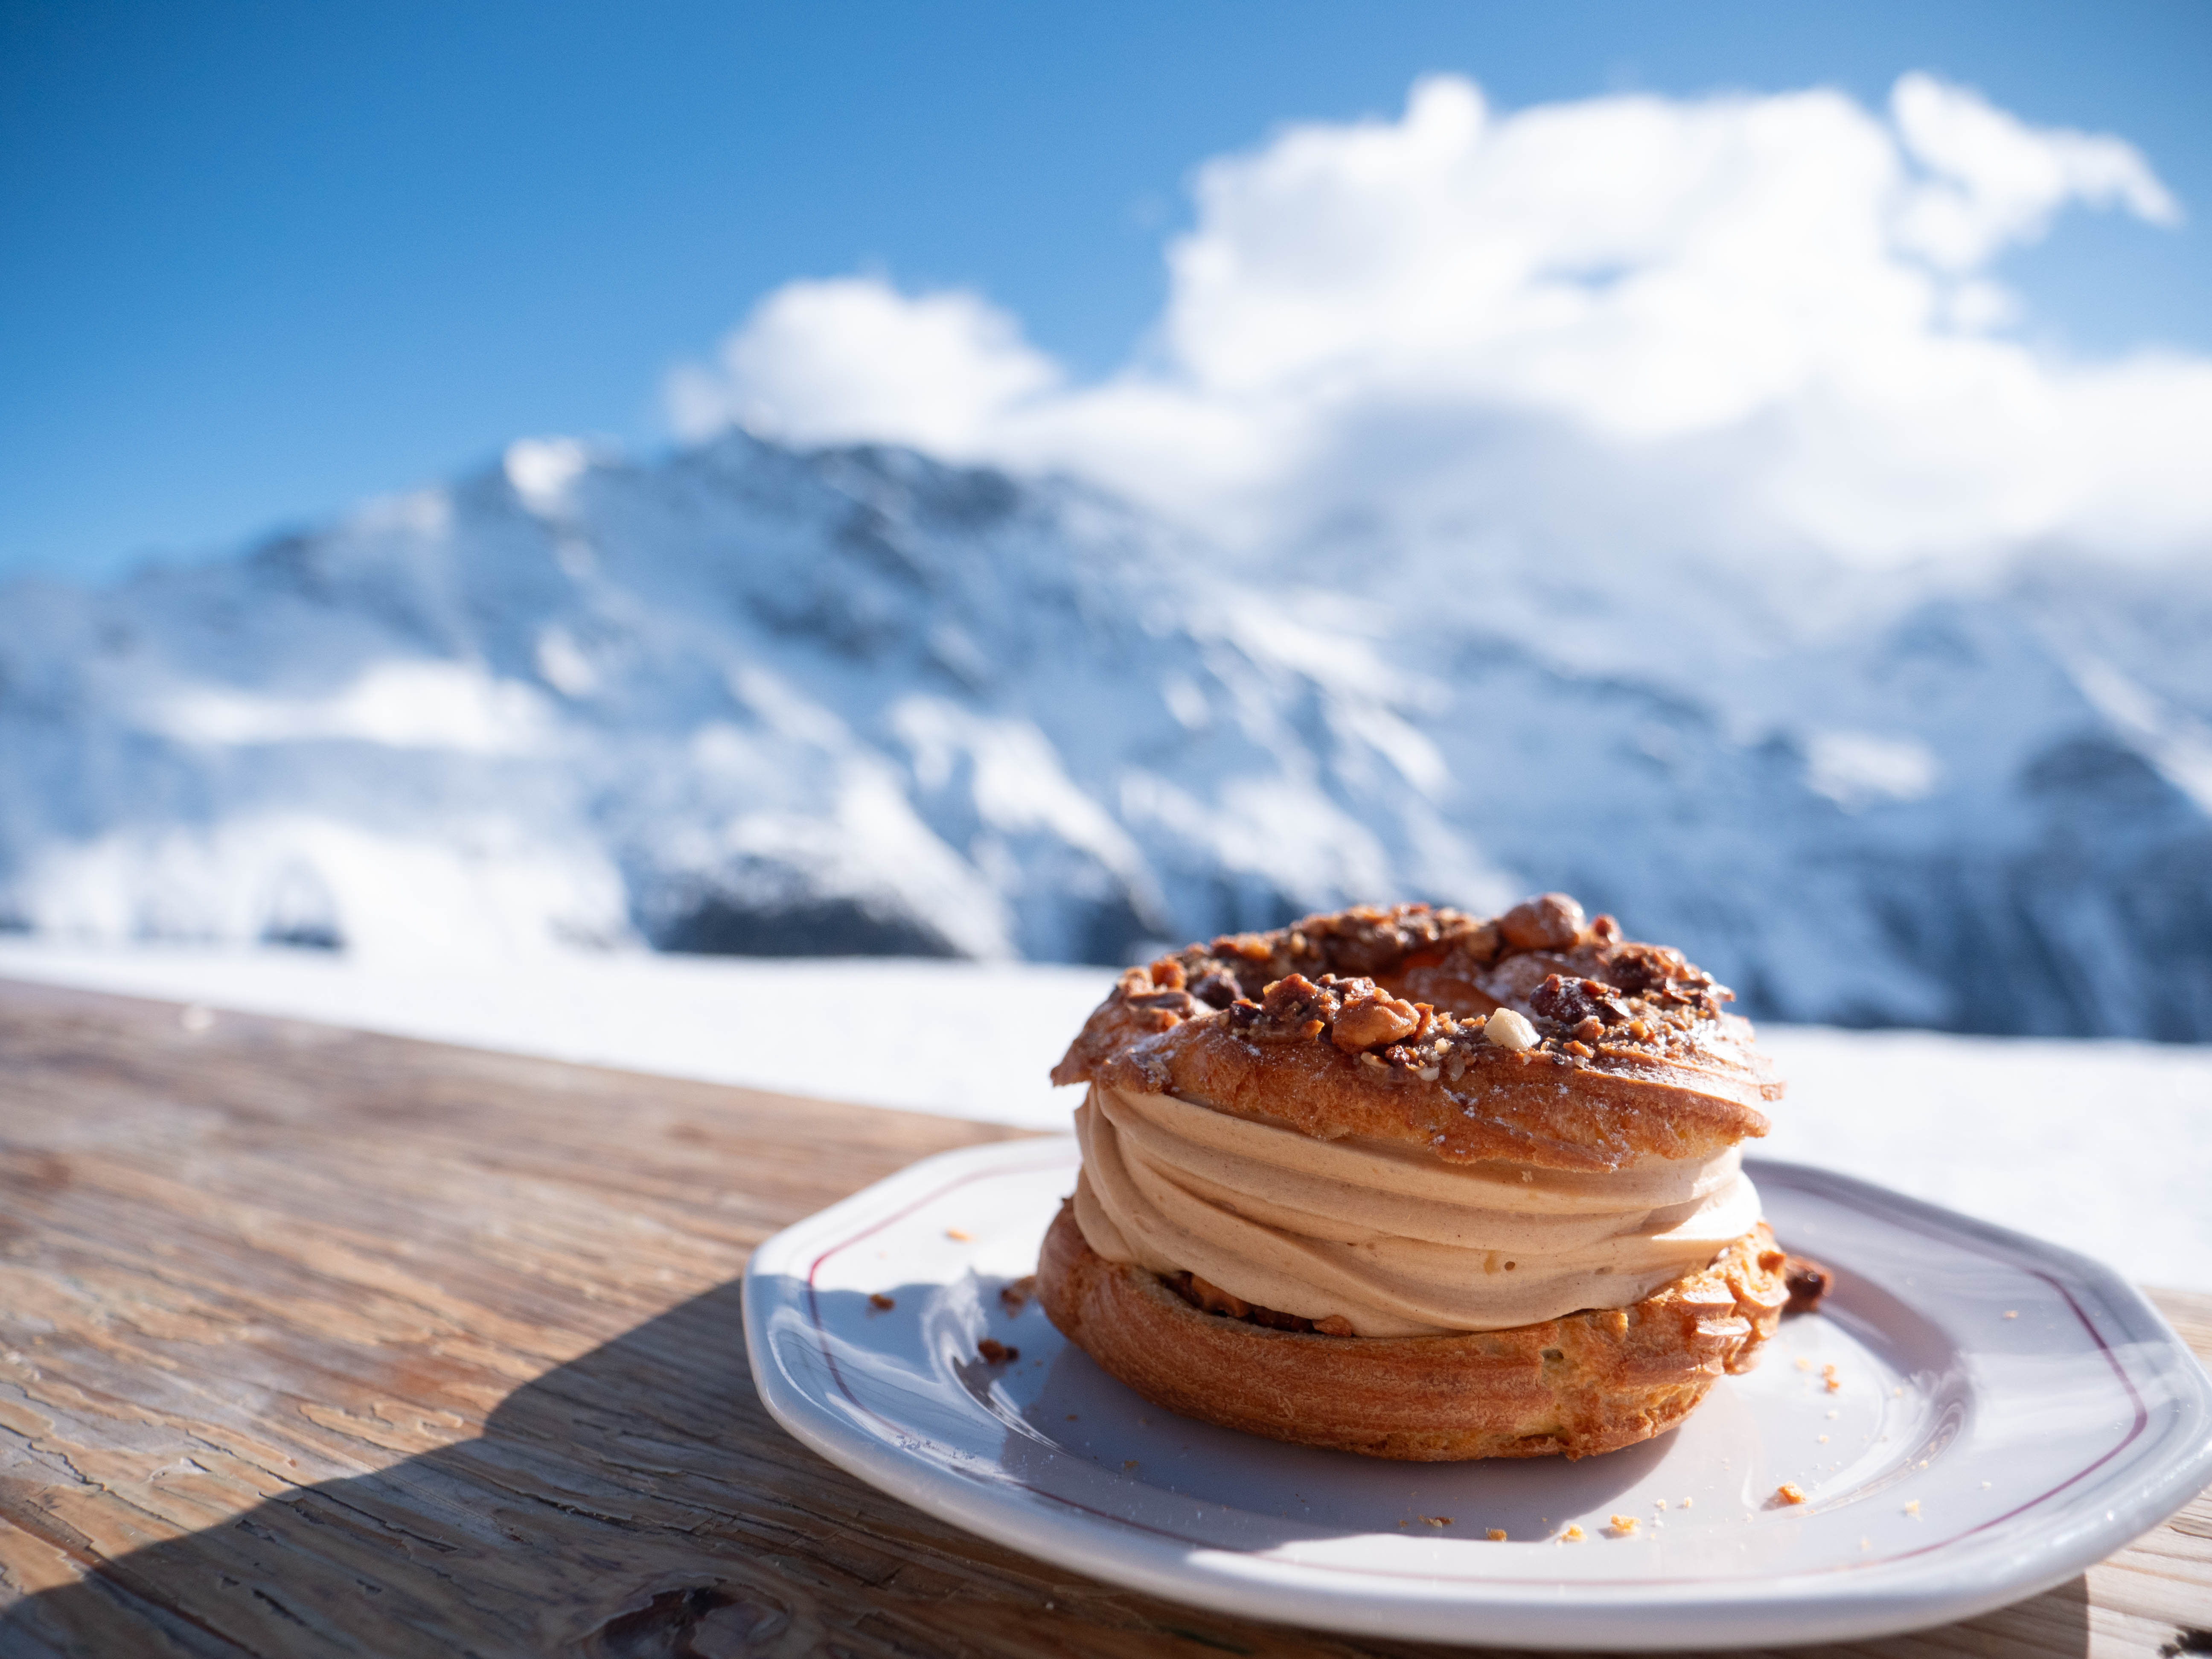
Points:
[(753, 701)]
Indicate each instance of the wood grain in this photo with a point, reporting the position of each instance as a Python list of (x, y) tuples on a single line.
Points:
[(314, 1342)]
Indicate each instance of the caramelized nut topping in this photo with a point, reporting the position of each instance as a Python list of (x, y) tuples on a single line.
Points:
[(1510, 1030), (1372, 1019), (1807, 1282), (1443, 1011), (1550, 921), (1211, 1298)]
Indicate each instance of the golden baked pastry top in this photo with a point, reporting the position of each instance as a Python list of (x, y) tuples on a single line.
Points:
[(1384, 1023)]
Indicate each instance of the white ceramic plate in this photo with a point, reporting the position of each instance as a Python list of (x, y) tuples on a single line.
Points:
[(2008, 1413)]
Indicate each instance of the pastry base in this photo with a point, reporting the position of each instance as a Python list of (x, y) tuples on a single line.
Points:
[(1590, 1382)]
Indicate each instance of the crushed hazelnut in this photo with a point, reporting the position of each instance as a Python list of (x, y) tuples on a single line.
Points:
[(1293, 1009), (1806, 1281), (1372, 1018), (881, 1303), (1510, 1031), (995, 1352), (1496, 1534), (1214, 1299), (1550, 921)]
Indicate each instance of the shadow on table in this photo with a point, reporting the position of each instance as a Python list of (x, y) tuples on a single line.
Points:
[(639, 1501)]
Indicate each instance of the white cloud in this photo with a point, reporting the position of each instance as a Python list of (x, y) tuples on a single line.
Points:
[(1997, 181), (1749, 324), (824, 361)]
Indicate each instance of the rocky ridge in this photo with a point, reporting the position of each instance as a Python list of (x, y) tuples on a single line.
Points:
[(746, 699)]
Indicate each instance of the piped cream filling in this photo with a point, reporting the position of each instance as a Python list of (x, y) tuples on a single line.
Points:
[(1396, 1243)]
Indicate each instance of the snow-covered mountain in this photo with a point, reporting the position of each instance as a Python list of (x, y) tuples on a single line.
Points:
[(750, 700)]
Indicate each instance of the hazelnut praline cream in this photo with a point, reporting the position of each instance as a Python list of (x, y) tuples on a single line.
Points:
[(1483, 1125), (1391, 1240)]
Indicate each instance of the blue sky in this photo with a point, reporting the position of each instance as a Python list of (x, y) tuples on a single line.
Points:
[(260, 262)]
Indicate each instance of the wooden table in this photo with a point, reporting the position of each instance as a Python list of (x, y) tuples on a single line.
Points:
[(316, 1342)]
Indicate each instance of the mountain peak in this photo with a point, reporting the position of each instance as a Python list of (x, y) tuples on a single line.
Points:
[(745, 697)]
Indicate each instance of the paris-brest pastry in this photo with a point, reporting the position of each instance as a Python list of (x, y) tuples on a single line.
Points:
[(1420, 1185)]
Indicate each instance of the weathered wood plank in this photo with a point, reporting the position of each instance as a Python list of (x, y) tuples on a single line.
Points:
[(315, 1342)]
